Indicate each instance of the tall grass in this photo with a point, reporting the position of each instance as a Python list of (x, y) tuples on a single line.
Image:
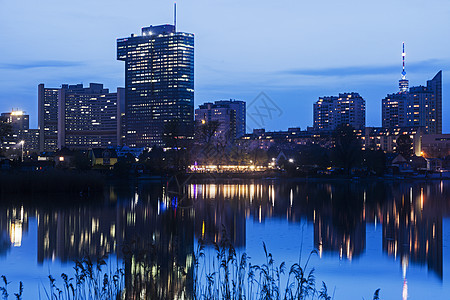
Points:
[(232, 276), (223, 276)]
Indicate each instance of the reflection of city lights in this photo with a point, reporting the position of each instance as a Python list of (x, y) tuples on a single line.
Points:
[(203, 230), (405, 284), (260, 214), (273, 195), (291, 196), (421, 198), (16, 233), (405, 290)]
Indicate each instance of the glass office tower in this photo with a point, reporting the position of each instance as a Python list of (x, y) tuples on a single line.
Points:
[(159, 85)]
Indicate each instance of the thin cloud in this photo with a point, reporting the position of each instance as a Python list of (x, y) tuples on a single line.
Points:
[(40, 64), (423, 66)]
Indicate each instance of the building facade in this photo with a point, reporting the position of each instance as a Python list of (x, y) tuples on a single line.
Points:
[(230, 115), (48, 118), (346, 109), (420, 106), (379, 138), (159, 84), (21, 136), (89, 117)]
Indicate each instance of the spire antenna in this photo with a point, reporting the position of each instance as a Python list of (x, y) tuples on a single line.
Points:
[(403, 57), (403, 83), (175, 15)]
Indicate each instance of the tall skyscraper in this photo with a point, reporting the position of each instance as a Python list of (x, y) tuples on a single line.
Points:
[(347, 109), (419, 106), (48, 118), (159, 84), (89, 117), (230, 114)]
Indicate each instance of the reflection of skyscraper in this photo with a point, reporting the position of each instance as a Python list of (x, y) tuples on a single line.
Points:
[(135, 229), (72, 233), (414, 232), (220, 211), (159, 84), (340, 226), (159, 243), (328, 238), (13, 225)]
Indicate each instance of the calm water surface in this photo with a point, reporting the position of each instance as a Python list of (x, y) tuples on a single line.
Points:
[(389, 235)]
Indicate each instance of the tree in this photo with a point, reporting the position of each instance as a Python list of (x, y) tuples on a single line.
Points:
[(404, 146), (347, 148), (82, 161), (375, 160), (206, 131), (175, 136)]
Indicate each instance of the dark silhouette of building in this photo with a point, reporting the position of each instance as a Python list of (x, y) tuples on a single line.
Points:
[(159, 84)]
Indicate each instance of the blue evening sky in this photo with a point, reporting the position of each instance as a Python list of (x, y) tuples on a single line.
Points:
[(294, 51)]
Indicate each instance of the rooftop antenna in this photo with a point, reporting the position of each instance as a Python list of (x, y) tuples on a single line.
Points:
[(403, 57), (403, 83), (175, 15)]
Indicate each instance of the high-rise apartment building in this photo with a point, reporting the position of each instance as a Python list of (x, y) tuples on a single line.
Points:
[(89, 117), (346, 109), (230, 115), (159, 84), (419, 106), (48, 118)]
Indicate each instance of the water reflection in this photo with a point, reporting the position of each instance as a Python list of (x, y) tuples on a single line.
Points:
[(410, 215), (159, 232)]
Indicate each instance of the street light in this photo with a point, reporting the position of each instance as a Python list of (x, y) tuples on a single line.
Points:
[(21, 143)]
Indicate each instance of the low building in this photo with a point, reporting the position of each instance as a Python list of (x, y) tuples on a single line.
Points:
[(261, 139), (436, 145), (103, 157), (379, 138)]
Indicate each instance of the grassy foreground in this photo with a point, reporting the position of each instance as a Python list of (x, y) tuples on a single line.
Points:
[(224, 276)]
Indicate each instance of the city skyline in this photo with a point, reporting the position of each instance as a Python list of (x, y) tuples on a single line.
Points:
[(227, 65)]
